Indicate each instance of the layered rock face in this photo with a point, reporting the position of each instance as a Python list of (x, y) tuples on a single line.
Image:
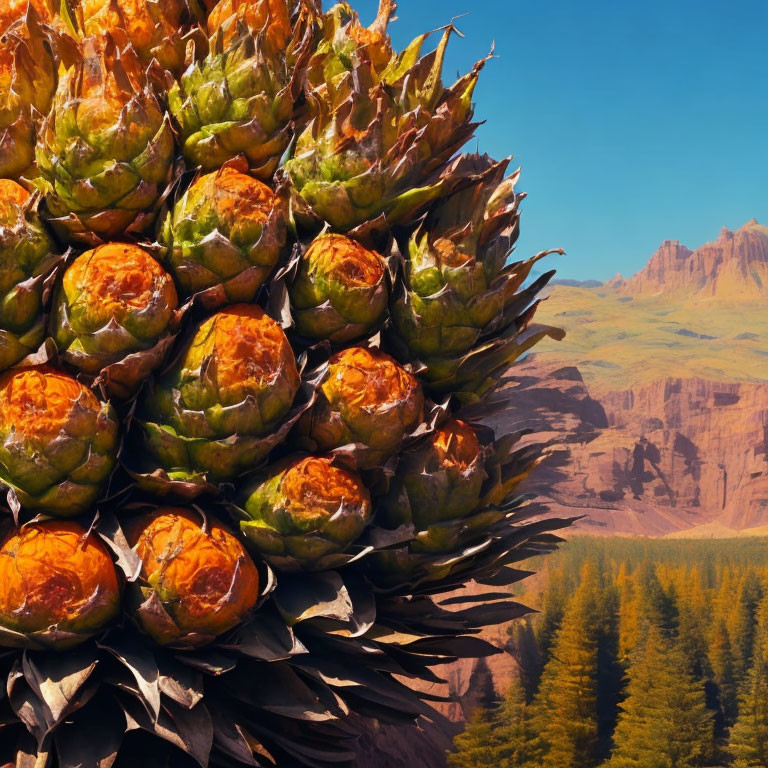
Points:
[(733, 267), (660, 458), (713, 442)]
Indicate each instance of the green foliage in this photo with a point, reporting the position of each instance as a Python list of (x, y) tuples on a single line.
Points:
[(741, 622), (748, 743), (565, 709), (749, 736), (644, 654), (664, 720), (528, 654), (496, 738), (721, 659), (693, 619), (552, 610)]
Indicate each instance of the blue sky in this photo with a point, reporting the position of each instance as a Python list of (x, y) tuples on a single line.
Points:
[(634, 121)]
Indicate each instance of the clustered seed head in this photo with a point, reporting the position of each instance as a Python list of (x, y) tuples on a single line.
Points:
[(106, 149), (58, 442), (58, 586), (305, 511), (344, 40), (12, 199), (27, 253), (196, 582), (155, 30), (253, 121), (28, 78), (113, 301), (386, 134), (270, 16), (256, 279), (366, 398), (237, 379), (227, 229), (439, 478), (340, 291)]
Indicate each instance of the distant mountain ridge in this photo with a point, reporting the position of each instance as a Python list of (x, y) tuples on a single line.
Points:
[(734, 267), (570, 283)]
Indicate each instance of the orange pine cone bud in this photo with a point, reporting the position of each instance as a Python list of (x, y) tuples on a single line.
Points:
[(256, 15), (231, 388), (154, 29), (369, 399), (227, 229), (197, 580), (58, 442), (304, 514), (58, 586), (340, 292), (114, 301), (439, 479)]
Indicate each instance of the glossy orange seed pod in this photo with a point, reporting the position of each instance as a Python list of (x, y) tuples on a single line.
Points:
[(201, 575), (58, 584)]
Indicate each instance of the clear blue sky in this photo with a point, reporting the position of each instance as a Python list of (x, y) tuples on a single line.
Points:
[(634, 121)]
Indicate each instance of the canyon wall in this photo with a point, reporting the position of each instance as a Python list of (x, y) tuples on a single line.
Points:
[(704, 449)]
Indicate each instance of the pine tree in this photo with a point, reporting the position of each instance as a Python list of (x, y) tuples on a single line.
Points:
[(657, 606), (692, 641), (476, 746), (525, 651), (497, 737), (664, 721), (748, 743), (609, 670), (643, 601), (702, 598), (629, 613), (721, 663), (741, 623), (564, 711), (693, 618), (552, 610)]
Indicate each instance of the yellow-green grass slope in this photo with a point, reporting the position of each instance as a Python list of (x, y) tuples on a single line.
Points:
[(620, 341)]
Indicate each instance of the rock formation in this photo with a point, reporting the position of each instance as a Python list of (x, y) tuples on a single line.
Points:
[(704, 449), (733, 267)]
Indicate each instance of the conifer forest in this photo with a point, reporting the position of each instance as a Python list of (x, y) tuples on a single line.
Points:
[(643, 654)]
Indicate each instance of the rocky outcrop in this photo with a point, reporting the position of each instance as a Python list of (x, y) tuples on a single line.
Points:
[(647, 460), (733, 267), (671, 262), (712, 438), (550, 399)]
